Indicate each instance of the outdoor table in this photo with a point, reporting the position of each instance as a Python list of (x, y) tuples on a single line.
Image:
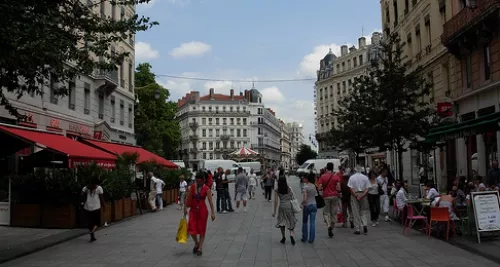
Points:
[(417, 209)]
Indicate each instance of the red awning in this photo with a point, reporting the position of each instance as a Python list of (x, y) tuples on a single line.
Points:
[(76, 152), (144, 155)]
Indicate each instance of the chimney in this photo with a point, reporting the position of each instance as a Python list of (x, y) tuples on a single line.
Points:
[(361, 42), (375, 38), (231, 94), (212, 94), (343, 50)]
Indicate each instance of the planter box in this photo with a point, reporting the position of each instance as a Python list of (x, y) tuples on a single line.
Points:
[(106, 215), (133, 205), (172, 196), (127, 207), (61, 216), (117, 210), (164, 197), (168, 200), (25, 215), (176, 195)]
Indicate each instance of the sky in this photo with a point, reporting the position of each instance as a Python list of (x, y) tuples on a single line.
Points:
[(240, 41)]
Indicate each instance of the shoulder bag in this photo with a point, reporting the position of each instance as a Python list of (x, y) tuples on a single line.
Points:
[(320, 201), (295, 203)]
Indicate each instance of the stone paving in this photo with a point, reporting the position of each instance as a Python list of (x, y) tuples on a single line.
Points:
[(248, 239)]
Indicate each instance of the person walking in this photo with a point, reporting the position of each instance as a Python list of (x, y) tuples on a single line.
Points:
[(198, 213), (252, 184), (94, 202), (221, 194), (383, 181), (359, 185), (160, 184), (182, 191), (329, 183), (346, 202), (227, 197), (286, 216), (152, 191), (240, 189), (374, 198), (268, 185), (309, 209)]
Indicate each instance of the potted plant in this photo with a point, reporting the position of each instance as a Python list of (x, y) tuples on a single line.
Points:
[(26, 196)]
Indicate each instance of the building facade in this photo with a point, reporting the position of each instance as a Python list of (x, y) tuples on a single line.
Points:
[(335, 79), (286, 149), (470, 34), (99, 106), (213, 125), (296, 140)]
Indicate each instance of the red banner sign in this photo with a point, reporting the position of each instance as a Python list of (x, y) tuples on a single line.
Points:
[(98, 135), (107, 164), (54, 123), (445, 109), (77, 128)]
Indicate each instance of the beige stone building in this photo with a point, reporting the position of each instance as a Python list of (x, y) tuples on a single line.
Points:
[(98, 106), (286, 149)]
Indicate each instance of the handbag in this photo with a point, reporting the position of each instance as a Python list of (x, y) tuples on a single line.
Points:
[(295, 203), (380, 189), (320, 201)]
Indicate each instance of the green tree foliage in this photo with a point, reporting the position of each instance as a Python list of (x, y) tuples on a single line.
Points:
[(394, 99), (57, 41), (353, 118), (156, 128), (305, 153)]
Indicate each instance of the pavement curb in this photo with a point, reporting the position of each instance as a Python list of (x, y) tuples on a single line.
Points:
[(19, 251), (475, 249)]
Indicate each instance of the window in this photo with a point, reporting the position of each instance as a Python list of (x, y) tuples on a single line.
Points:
[(53, 89), (259, 111), (209, 121), (204, 145), (113, 11), (210, 133), (101, 106), (231, 132), (244, 121), (71, 95), (259, 130), (237, 109), (130, 116), (210, 145), (217, 121), (419, 40), (349, 64), (338, 88), (338, 68), (203, 121), (238, 132), (231, 121), (217, 132), (103, 9), (122, 112), (407, 6), (244, 132), (409, 46), (355, 62), (113, 109), (468, 71), (130, 76), (224, 121), (217, 145), (428, 32), (122, 12), (122, 73), (232, 144), (343, 66), (486, 62), (343, 87), (204, 133), (86, 98), (396, 16), (360, 60), (204, 155), (238, 121), (349, 84)]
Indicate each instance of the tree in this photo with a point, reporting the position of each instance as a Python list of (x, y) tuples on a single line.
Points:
[(398, 113), (52, 42), (353, 118), (155, 126), (305, 153)]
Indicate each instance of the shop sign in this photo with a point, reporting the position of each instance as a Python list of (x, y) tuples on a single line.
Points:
[(28, 117), (445, 109), (106, 164), (98, 135), (55, 123), (77, 128)]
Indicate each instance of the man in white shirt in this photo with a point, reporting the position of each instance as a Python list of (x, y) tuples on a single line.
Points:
[(401, 197), (152, 191), (159, 192), (252, 184), (383, 181), (359, 184), (182, 191)]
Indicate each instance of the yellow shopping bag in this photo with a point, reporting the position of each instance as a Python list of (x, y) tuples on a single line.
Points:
[(182, 235)]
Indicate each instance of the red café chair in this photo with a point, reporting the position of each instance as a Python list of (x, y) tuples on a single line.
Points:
[(397, 213), (411, 218), (439, 214)]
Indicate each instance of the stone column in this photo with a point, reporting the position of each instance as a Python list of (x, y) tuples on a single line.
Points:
[(462, 156), (481, 156)]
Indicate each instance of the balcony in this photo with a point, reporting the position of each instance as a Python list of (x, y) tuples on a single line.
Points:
[(225, 138), (194, 138), (463, 23), (193, 125), (107, 80)]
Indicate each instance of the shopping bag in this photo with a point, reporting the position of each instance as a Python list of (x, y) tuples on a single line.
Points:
[(182, 235)]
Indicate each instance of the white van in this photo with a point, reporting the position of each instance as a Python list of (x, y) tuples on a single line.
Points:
[(315, 165), (213, 164), (255, 165)]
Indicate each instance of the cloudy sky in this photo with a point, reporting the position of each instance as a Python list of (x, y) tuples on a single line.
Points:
[(237, 41)]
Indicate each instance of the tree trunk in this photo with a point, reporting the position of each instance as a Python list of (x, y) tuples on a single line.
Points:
[(400, 163)]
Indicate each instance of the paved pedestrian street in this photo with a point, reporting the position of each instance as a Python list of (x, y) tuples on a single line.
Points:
[(248, 239)]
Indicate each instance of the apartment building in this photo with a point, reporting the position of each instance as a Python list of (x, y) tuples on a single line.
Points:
[(471, 37), (213, 125), (335, 79), (296, 140), (99, 106), (286, 148)]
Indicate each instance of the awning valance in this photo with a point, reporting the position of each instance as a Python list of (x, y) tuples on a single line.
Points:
[(77, 153), (144, 155), (464, 129)]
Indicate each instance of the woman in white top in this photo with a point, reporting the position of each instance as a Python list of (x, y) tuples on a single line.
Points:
[(94, 202), (402, 197), (432, 193), (252, 184), (374, 198)]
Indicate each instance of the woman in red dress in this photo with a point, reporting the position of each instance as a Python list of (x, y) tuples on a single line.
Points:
[(198, 212)]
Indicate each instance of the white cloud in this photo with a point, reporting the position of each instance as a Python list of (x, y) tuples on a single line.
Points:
[(310, 62), (144, 51), (272, 95), (190, 49)]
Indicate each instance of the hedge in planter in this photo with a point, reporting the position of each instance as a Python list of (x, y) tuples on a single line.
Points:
[(26, 195)]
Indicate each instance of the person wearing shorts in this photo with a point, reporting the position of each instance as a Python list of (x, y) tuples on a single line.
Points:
[(252, 184), (241, 187)]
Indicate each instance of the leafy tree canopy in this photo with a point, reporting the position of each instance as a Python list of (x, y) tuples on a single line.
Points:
[(305, 153), (156, 128), (58, 40)]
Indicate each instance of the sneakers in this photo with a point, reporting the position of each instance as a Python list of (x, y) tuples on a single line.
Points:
[(374, 224), (387, 219), (330, 232), (352, 225), (92, 237), (365, 230)]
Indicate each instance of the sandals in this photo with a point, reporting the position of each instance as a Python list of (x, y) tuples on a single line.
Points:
[(199, 252), (195, 249)]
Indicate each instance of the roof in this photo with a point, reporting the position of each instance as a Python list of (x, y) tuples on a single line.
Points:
[(221, 97), (216, 97), (59, 143), (144, 155)]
